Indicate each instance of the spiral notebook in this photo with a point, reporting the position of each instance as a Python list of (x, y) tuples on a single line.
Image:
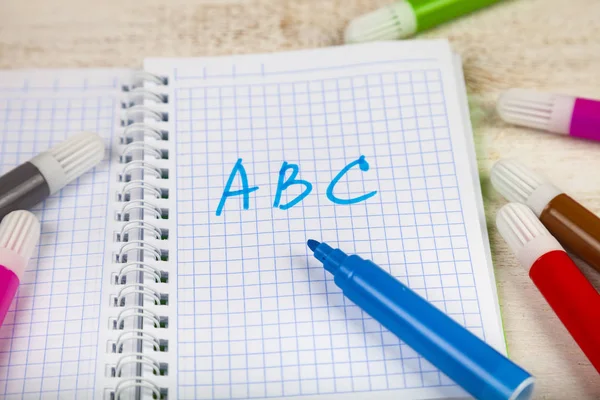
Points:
[(177, 269)]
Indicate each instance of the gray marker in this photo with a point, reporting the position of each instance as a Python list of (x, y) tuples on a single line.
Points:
[(48, 172)]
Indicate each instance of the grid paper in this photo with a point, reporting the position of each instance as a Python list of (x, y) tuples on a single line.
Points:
[(257, 316), (49, 339)]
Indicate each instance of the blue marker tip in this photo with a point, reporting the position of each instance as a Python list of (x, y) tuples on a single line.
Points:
[(312, 244)]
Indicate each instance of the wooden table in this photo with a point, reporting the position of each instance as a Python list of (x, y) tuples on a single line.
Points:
[(545, 44)]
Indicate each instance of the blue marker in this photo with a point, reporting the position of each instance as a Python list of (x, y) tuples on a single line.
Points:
[(466, 359)]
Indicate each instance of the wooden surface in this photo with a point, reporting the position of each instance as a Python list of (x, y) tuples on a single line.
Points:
[(545, 44)]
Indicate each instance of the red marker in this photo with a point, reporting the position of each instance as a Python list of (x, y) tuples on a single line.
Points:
[(566, 289), (19, 234)]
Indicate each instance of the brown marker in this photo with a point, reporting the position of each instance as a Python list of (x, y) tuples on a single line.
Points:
[(577, 228)]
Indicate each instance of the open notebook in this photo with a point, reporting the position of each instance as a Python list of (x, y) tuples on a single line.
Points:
[(150, 282)]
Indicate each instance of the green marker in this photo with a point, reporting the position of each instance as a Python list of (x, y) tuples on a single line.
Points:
[(405, 18)]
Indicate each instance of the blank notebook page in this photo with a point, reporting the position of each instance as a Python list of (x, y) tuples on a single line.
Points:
[(50, 338), (378, 132)]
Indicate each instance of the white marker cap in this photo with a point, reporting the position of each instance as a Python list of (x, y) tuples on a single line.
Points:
[(546, 111), (518, 183), (395, 21), (70, 159), (526, 236), (19, 234)]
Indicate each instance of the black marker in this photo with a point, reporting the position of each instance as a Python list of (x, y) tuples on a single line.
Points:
[(48, 172)]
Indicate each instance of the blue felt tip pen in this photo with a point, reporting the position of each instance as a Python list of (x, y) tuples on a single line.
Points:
[(466, 359)]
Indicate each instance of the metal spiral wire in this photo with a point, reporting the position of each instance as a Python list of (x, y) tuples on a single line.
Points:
[(142, 249)]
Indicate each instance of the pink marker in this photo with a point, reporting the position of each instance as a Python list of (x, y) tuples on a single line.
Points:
[(19, 234), (557, 113)]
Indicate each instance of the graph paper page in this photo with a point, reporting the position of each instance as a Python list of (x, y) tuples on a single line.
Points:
[(49, 341), (372, 141)]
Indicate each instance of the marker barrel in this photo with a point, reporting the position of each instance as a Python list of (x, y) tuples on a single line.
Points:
[(404, 18), (585, 122), (469, 361), (573, 299), (22, 188), (575, 227), (430, 13), (9, 283), (19, 234), (551, 112), (48, 172)]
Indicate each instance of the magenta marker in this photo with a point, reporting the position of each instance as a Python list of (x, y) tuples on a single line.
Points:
[(557, 113), (19, 234)]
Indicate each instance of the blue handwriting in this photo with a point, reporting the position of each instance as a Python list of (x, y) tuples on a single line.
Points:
[(283, 184)]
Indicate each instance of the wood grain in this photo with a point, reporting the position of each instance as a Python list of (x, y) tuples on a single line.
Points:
[(544, 44)]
